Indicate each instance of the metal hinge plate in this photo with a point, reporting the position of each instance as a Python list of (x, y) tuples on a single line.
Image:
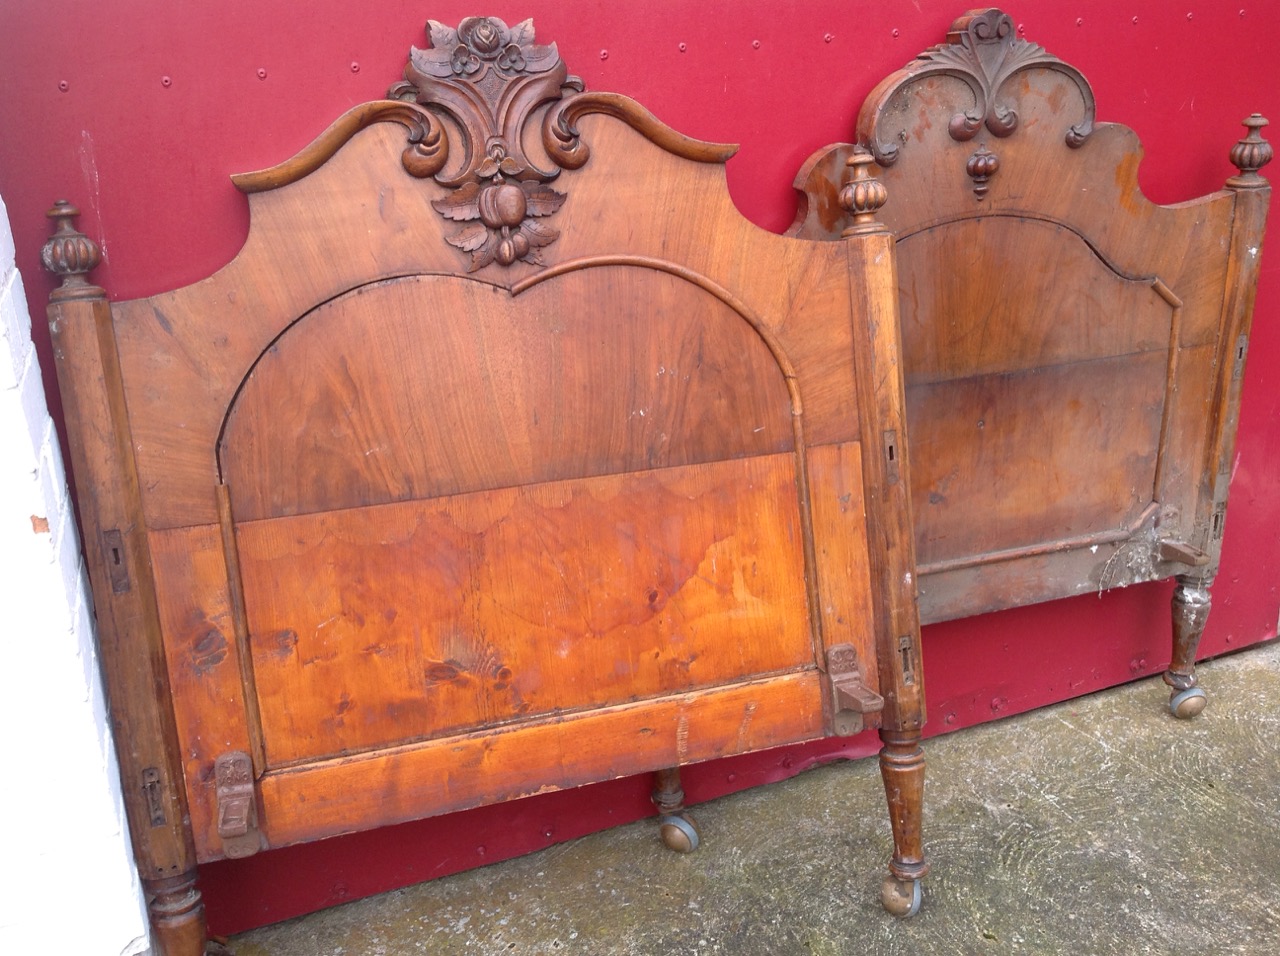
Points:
[(857, 706), (237, 805)]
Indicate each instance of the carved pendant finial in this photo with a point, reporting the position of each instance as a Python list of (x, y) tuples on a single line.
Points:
[(1250, 154), (863, 195), (70, 253), (490, 78), (982, 165)]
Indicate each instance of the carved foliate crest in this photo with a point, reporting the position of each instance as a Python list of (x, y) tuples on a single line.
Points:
[(984, 51), (490, 78)]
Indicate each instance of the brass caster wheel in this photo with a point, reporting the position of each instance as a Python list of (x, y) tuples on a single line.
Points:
[(902, 898), (1185, 704), (679, 832)]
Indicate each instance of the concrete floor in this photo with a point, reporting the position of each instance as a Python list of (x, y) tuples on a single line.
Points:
[(1099, 826)]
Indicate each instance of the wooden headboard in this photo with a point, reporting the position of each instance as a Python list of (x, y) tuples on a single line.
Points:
[(1073, 351), (506, 456)]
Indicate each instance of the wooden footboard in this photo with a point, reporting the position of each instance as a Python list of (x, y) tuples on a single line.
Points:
[(506, 456), (1073, 351)]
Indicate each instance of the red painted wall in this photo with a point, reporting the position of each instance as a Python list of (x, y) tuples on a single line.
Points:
[(138, 110)]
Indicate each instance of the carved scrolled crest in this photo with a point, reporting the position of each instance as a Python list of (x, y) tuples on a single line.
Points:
[(983, 51), (489, 78)]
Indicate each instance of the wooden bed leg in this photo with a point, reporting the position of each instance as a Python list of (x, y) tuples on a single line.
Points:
[(1191, 605), (177, 915), (902, 767), (677, 829), (118, 557)]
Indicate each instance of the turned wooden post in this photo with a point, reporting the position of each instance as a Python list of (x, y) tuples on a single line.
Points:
[(1191, 598), (1191, 606), (887, 486), (119, 563), (902, 768)]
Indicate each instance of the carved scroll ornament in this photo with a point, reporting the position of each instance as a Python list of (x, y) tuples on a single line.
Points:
[(489, 78), (983, 51)]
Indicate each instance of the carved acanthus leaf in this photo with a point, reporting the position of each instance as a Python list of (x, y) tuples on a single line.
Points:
[(542, 200), (983, 51), (462, 205), (469, 239)]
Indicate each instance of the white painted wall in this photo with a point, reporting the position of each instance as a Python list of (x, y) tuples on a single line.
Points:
[(67, 879)]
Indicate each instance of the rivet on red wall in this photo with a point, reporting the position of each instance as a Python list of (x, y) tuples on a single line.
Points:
[(262, 74), (63, 85), (166, 82), (355, 67)]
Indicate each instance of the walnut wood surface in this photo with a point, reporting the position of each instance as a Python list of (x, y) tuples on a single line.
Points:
[(506, 456), (379, 626), (1069, 346), (598, 371)]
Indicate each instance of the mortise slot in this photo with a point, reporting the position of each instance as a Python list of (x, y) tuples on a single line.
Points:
[(908, 669), (1242, 346), (891, 454), (152, 790), (117, 568)]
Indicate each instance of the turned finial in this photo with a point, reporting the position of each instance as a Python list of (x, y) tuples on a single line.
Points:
[(70, 253), (1250, 154), (863, 195)]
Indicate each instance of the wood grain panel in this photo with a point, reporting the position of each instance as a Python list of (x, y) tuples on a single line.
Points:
[(382, 625), (840, 545), (204, 668), (979, 589), (360, 218), (335, 797), (428, 386), (1008, 461), (1001, 294)]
